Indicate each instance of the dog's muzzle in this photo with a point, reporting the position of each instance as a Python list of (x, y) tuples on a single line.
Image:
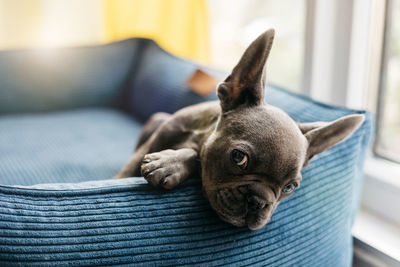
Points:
[(240, 206)]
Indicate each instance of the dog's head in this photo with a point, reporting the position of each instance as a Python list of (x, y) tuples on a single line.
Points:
[(253, 159)]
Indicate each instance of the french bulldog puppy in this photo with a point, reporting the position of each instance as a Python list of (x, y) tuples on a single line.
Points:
[(248, 154)]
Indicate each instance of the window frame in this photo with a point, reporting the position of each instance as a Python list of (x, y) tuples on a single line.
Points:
[(355, 58), (383, 80)]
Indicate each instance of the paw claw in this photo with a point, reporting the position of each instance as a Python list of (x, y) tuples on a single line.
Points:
[(163, 181), (145, 173), (144, 161)]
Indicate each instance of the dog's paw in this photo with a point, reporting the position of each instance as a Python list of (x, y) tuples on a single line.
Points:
[(166, 168)]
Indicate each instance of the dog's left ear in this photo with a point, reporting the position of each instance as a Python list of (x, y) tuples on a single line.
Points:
[(324, 135), (245, 85)]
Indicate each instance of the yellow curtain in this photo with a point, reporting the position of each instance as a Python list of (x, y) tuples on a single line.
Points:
[(179, 26)]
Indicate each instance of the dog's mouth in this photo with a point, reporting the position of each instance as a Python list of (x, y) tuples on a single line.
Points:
[(238, 208)]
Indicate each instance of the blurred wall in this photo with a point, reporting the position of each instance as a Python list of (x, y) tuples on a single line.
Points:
[(46, 23)]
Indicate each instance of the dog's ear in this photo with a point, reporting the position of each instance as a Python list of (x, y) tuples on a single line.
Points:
[(246, 83), (324, 135)]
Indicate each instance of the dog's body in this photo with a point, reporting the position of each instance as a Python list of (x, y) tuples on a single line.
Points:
[(249, 154), (179, 136)]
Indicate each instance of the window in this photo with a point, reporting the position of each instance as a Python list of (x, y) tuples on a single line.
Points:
[(388, 119), (234, 26)]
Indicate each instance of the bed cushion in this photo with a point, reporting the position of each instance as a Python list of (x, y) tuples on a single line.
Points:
[(159, 83), (68, 146), (130, 222), (65, 78)]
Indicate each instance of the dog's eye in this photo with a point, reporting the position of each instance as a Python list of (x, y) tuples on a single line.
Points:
[(289, 188), (239, 158)]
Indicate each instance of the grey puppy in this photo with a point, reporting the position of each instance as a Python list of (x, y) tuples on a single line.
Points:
[(249, 154)]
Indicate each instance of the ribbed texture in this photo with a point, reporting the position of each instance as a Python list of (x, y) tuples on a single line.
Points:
[(123, 222), (137, 224), (69, 146)]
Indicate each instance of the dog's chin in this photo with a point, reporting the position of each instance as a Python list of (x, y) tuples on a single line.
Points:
[(251, 220), (255, 221)]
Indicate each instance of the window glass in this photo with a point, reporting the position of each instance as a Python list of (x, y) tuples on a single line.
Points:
[(233, 27), (388, 138)]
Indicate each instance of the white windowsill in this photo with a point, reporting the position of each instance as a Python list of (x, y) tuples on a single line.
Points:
[(383, 169), (381, 190), (378, 221), (378, 233)]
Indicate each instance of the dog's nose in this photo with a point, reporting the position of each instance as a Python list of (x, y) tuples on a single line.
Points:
[(255, 203)]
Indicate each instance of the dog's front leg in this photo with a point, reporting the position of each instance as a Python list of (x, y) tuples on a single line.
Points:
[(168, 168)]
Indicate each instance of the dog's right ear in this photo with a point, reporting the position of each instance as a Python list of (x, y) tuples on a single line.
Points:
[(245, 85)]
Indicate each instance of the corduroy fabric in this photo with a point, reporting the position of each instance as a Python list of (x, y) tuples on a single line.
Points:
[(68, 146)]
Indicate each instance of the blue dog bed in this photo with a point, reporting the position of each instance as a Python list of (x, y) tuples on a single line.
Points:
[(49, 217)]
